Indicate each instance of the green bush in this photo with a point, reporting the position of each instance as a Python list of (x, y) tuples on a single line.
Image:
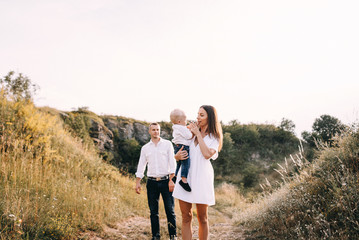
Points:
[(250, 149), (80, 125)]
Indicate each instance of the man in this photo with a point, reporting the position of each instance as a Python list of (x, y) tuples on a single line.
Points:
[(158, 154)]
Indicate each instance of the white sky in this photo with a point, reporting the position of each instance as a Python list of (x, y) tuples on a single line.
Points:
[(255, 61)]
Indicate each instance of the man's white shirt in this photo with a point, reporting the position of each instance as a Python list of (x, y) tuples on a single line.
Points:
[(160, 160)]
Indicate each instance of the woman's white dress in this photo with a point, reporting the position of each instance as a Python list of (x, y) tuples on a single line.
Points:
[(200, 176)]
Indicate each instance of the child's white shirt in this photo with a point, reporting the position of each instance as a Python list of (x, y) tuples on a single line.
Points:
[(181, 135)]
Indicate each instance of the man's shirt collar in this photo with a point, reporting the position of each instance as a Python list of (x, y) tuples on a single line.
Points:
[(158, 141)]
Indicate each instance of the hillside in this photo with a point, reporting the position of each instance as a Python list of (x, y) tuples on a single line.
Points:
[(250, 151), (320, 201), (52, 185), (118, 139), (57, 183)]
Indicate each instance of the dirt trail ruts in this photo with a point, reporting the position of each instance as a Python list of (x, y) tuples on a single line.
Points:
[(136, 227)]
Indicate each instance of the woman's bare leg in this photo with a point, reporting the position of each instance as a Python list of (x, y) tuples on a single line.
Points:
[(186, 210), (202, 215)]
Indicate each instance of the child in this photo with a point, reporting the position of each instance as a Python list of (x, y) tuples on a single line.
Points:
[(181, 138)]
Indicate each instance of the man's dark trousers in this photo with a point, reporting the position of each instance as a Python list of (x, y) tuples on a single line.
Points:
[(154, 189)]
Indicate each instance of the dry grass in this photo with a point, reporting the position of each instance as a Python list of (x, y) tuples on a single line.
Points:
[(319, 202), (53, 187), (229, 200)]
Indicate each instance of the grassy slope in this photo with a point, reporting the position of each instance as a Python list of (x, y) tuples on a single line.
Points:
[(322, 202), (52, 185)]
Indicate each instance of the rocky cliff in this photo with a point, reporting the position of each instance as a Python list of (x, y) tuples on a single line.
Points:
[(125, 129), (119, 139)]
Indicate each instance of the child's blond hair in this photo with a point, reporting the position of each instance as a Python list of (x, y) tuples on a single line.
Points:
[(177, 115)]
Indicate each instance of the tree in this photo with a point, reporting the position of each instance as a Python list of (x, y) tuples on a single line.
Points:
[(324, 129), (130, 150), (227, 160), (327, 127), (287, 125), (20, 87)]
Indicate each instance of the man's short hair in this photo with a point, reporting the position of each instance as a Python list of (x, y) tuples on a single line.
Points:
[(177, 115), (154, 124)]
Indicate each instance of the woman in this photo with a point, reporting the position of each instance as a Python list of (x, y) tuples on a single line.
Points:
[(205, 145)]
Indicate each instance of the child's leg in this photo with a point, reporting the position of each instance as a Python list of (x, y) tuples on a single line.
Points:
[(176, 149), (185, 166), (178, 167), (184, 170), (184, 173)]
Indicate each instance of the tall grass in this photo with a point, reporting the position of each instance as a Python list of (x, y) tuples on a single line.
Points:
[(51, 185), (229, 199), (319, 202)]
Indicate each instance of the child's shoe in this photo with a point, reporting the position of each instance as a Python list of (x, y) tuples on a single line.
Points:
[(185, 186)]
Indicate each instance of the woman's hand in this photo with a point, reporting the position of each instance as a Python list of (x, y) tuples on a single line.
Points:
[(194, 128), (181, 154)]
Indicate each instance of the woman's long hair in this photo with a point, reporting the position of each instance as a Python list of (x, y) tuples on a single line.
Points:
[(214, 126)]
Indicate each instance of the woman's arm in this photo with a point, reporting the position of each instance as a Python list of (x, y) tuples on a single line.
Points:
[(206, 151)]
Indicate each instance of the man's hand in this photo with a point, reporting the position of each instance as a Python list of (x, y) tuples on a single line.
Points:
[(171, 186), (138, 186)]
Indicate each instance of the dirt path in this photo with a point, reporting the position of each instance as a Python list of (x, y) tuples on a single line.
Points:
[(135, 228)]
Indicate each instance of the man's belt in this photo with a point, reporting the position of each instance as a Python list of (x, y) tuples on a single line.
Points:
[(158, 178)]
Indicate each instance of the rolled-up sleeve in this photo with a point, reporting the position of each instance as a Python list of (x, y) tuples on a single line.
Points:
[(214, 144), (186, 133), (141, 164), (171, 158)]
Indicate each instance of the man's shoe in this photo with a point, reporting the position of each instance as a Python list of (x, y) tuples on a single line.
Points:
[(185, 186), (173, 237)]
